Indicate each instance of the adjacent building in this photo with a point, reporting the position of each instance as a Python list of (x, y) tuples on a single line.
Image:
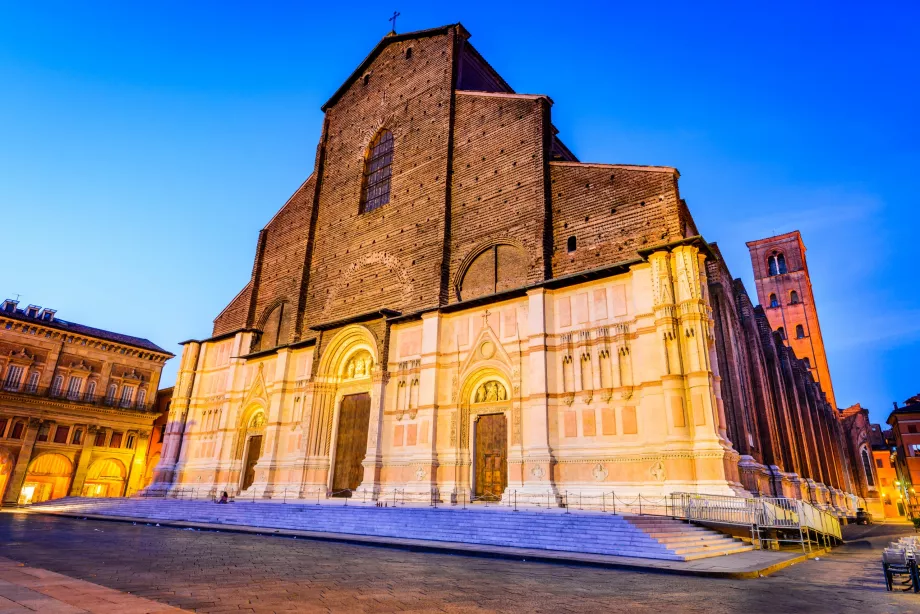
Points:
[(452, 305), (905, 429), (76, 407)]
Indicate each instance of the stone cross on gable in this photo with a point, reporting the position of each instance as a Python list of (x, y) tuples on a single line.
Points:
[(393, 19)]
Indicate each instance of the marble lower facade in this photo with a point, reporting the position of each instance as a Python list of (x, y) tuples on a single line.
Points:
[(607, 386)]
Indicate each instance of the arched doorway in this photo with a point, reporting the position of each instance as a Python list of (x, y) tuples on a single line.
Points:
[(347, 403), (484, 432), (6, 470), (105, 478), (48, 477), (252, 448)]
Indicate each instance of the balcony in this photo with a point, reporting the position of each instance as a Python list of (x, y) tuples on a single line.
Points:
[(98, 400)]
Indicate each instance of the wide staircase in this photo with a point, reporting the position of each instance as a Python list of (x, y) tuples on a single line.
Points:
[(584, 532)]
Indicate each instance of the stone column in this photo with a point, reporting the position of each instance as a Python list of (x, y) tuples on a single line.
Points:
[(165, 473), (135, 477), (83, 462), (536, 452), (266, 468), (373, 461), (18, 475), (427, 472)]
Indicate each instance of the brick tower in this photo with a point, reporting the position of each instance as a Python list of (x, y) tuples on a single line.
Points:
[(784, 290)]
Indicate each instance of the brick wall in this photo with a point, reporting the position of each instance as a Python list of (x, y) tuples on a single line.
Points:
[(612, 211)]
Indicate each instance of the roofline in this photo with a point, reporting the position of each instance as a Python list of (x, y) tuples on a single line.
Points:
[(629, 167), (54, 324), (792, 234), (384, 42)]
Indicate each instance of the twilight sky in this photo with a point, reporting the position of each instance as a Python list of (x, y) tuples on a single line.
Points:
[(142, 147)]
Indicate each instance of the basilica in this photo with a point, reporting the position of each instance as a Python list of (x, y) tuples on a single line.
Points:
[(453, 306)]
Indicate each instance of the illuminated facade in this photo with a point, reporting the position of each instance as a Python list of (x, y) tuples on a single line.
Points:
[(453, 306), (76, 407)]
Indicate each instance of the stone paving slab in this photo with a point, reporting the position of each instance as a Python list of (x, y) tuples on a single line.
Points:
[(28, 589), (744, 565)]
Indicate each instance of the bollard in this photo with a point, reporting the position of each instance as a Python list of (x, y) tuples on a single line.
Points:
[(567, 502)]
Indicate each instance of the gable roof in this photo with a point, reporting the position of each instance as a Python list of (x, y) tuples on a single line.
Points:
[(386, 40)]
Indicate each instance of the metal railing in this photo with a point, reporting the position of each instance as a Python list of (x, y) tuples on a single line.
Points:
[(776, 519), (766, 519)]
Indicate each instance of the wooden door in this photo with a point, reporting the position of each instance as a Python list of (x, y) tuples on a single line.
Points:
[(491, 456), (351, 443), (252, 457)]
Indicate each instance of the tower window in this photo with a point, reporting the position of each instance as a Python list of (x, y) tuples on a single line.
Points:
[(377, 171), (773, 301), (782, 333), (409, 53), (807, 362), (794, 298), (799, 331), (571, 244), (777, 263)]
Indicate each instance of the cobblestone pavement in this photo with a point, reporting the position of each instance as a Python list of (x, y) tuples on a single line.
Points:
[(217, 572)]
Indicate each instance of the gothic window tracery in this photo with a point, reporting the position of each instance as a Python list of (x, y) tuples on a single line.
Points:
[(375, 191)]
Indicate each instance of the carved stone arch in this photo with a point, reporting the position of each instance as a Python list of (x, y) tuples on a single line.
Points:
[(498, 264), (471, 406), (349, 343), (248, 424)]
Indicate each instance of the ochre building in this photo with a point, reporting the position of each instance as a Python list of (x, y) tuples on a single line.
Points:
[(76, 407), (453, 306)]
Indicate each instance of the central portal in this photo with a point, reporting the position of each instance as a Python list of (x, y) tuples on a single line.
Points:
[(351, 443), (491, 456)]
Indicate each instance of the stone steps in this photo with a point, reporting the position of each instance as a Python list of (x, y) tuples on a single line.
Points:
[(585, 532)]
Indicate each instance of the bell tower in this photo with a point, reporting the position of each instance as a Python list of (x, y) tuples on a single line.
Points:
[(784, 290)]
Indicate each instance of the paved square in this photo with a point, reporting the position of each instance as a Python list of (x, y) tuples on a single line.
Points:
[(227, 572)]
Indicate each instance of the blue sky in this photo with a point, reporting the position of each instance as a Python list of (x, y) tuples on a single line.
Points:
[(142, 146)]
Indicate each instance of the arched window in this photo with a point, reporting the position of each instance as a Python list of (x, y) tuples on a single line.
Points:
[(377, 170), (90, 390), (799, 331), (777, 263), (773, 301), (110, 393), (141, 397), (571, 244), (867, 466), (782, 333), (794, 297), (807, 362)]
